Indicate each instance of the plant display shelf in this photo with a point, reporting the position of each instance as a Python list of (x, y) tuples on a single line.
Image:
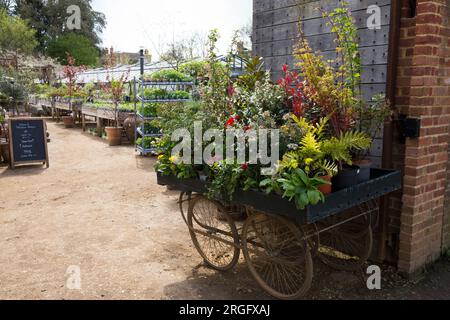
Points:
[(141, 120), (102, 113), (277, 240), (141, 117), (105, 112), (161, 100)]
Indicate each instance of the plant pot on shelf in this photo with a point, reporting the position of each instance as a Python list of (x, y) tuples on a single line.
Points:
[(364, 169), (326, 188), (346, 178), (68, 121), (130, 126), (114, 136)]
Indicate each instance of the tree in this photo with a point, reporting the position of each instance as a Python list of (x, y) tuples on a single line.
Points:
[(184, 50), (78, 46), (15, 35), (49, 18)]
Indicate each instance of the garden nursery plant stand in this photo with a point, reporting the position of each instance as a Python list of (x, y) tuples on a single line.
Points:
[(143, 134), (279, 241)]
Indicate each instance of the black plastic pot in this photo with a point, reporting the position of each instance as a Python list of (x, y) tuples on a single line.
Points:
[(346, 178), (364, 170)]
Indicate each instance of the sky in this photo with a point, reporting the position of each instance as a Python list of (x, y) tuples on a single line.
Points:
[(133, 24)]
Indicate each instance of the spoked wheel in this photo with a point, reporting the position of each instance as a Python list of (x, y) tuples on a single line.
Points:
[(183, 202), (277, 256), (213, 233), (347, 246)]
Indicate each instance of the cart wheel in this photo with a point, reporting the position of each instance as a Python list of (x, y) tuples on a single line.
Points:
[(347, 247), (277, 256), (219, 243), (185, 199), (311, 232)]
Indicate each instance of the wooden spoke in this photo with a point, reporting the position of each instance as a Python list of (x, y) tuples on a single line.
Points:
[(216, 233), (277, 256)]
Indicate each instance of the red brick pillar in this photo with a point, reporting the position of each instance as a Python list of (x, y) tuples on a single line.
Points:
[(446, 228), (423, 92)]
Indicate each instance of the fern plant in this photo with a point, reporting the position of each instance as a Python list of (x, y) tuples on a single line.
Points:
[(317, 153), (340, 149)]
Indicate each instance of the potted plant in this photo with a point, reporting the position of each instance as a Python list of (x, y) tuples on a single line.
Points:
[(73, 92), (340, 150), (115, 89), (371, 120), (300, 187)]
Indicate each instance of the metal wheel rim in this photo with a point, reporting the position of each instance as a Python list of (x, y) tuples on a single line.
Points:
[(347, 247), (282, 267), (210, 217)]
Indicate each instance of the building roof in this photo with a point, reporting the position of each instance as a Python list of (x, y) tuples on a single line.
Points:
[(102, 74)]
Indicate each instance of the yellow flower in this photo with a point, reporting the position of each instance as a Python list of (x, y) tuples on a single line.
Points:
[(309, 161), (161, 157), (173, 159)]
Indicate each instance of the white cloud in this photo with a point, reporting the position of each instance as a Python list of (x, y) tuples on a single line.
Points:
[(152, 23)]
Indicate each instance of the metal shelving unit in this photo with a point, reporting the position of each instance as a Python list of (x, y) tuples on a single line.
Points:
[(142, 120)]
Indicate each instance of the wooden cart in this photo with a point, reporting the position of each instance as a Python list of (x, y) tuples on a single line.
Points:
[(278, 241)]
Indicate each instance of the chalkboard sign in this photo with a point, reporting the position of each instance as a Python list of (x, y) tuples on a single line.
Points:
[(28, 141)]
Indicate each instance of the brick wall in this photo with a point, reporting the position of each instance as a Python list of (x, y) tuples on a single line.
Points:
[(405, 52), (423, 91), (446, 228)]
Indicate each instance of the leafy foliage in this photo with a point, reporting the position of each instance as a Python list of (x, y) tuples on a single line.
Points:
[(15, 34), (168, 75), (195, 69), (255, 73), (49, 18), (164, 94), (300, 187), (78, 46)]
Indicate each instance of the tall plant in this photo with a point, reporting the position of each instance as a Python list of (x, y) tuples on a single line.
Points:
[(335, 90), (115, 89), (70, 72), (347, 47)]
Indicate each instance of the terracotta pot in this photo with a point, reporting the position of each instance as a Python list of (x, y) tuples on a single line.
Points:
[(364, 169), (114, 136), (346, 178), (326, 188), (68, 122), (130, 126)]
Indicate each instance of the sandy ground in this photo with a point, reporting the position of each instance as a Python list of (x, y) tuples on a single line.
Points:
[(100, 209)]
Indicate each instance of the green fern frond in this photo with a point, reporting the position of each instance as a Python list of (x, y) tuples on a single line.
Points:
[(329, 167), (320, 127), (302, 123), (310, 147), (355, 141)]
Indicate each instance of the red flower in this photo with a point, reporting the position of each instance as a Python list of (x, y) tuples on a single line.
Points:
[(245, 166), (247, 128), (230, 123), (231, 91)]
